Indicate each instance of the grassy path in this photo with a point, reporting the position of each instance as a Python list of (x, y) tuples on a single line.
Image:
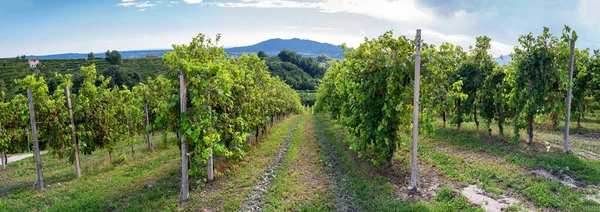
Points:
[(230, 189), (301, 184), (369, 188)]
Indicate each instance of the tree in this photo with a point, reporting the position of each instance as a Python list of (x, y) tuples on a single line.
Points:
[(114, 58), (375, 83), (473, 72), (582, 84), (13, 122), (537, 57), (308, 64), (262, 55), (442, 86), (594, 70), (495, 91), (23, 57), (90, 56)]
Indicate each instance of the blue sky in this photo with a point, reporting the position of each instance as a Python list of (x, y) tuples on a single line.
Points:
[(37, 27)]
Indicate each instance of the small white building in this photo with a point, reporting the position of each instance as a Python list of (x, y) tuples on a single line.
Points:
[(33, 62)]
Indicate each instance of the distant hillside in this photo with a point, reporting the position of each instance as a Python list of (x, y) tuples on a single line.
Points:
[(503, 61), (124, 55), (271, 47), (302, 47)]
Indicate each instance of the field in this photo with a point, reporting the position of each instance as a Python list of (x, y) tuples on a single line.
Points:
[(303, 163)]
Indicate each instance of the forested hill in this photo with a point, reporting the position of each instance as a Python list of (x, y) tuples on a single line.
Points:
[(302, 73), (300, 46)]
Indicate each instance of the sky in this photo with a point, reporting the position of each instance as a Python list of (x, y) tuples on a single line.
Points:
[(40, 27)]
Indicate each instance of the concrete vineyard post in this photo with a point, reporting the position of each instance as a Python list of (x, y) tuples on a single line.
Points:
[(36, 145), (568, 121), (185, 188), (147, 123), (209, 166), (73, 135), (414, 175)]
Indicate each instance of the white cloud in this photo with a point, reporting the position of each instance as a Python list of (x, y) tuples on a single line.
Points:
[(588, 13), (133, 3), (141, 10), (437, 38), (390, 10), (192, 1), (404, 15)]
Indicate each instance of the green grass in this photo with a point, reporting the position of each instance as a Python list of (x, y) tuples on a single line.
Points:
[(229, 191), (502, 168), (144, 182), (372, 191), (300, 184), (530, 156)]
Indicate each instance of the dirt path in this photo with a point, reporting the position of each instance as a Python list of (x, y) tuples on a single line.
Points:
[(16, 158), (255, 199), (343, 199)]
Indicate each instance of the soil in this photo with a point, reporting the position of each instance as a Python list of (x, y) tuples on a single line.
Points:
[(343, 199), (255, 199), (478, 197)]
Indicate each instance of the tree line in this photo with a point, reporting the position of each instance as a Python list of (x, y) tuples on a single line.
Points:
[(370, 90)]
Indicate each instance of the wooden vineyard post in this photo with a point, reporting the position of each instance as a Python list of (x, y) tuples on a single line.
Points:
[(2, 159), (147, 123), (568, 121), (414, 175), (73, 136), (36, 145), (185, 188)]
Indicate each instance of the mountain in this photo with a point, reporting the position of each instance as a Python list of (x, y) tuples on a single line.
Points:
[(124, 54), (504, 60), (301, 46), (271, 47)]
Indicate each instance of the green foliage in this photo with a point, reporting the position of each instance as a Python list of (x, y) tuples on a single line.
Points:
[(114, 58), (302, 73), (13, 122), (226, 98), (473, 72), (122, 77), (307, 97), (11, 69), (594, 70), (371, 90), (292, 74), (495, 92), (442, 86), (541, 57), (308, 64)]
